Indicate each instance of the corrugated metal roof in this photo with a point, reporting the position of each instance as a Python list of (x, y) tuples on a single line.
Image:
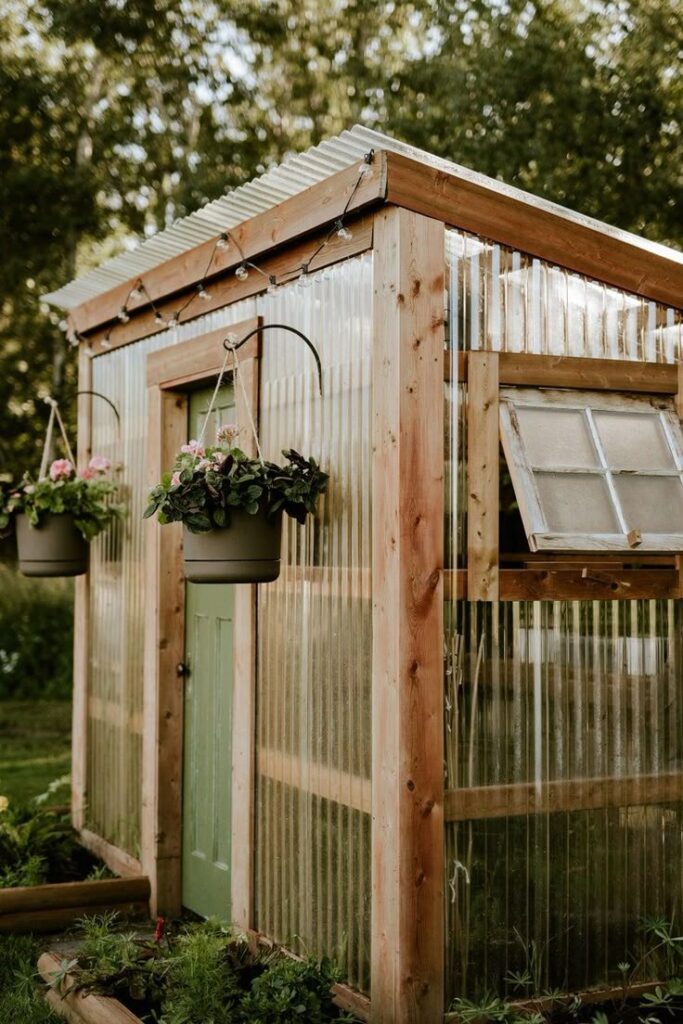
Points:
[(291, 177)]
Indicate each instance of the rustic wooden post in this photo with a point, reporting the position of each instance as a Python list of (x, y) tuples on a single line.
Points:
[(164, 650), (483, 474), (79, 732), (407, 661)]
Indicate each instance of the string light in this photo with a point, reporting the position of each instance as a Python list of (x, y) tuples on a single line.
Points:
[(139, 289)]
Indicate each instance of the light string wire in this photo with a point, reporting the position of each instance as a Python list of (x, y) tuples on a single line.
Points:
[(226, 238)]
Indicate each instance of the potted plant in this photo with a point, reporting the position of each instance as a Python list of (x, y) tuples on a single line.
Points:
[(231, 507), (57, 516)]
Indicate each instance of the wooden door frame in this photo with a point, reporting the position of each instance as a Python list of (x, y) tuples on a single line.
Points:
[(171, 374)]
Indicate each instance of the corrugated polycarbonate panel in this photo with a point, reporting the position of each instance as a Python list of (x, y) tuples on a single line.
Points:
[(566, 718), (314, 656)]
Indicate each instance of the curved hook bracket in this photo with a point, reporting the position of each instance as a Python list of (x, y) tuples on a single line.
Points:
[(104, 399), (282, 327)]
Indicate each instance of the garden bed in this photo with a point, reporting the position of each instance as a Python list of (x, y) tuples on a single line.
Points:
[(78, 1007), (50, 908)]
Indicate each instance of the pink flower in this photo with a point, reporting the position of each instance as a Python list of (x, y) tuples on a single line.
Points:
[(99, 464), (192, 448), (205, 464), (88, 474), (228, 433), (175, 479), (61, 469)]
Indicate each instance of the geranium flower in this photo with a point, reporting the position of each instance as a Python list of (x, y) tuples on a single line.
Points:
[(205, 464), (228, 433), (88, 474), (193, 448), (61, 469), (99, 464), (175, 479)]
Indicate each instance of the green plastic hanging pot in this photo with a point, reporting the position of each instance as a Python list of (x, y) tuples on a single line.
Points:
[(53, 548), (245, 551)]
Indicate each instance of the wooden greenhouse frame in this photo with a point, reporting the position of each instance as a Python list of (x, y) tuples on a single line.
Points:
[(399, 212)]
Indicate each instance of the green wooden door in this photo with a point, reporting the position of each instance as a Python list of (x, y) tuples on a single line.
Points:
[(208, 713)]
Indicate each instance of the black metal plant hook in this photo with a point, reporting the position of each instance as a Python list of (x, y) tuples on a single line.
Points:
[(104, 399), (228, 346)]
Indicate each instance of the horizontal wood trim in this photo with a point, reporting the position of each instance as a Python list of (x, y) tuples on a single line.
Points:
[(484, 802), (332, 581), (105, 891), (520, 224), (117, 860), (56, 919), (77, 1006), (588, 996), (302, 214), (198, 359), (311, 777), (522, 369), (102, 710), (229, 289), (601, 583)]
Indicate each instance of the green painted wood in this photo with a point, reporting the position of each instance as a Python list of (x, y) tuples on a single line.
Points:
[(207, 751)]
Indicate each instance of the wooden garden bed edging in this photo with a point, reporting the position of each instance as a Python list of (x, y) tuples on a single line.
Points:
[(77, 1007), (46, 908)]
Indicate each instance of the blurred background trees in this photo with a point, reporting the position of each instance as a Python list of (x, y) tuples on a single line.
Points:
[(118, 116)]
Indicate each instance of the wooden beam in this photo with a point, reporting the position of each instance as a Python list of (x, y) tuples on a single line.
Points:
[(484, 802), (164, 650), (588, 584), (229, 289), (95, 893), (117, 860), (81, 666), (302, 214), (322, 780), (520, 369), (491, 212), (199, 360), (242, 856), (483, 498), (407, 923)]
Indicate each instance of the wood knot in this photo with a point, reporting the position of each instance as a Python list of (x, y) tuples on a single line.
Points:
[(419, 879), (410, 784), (427, 808), (414, 668), (417, 286)]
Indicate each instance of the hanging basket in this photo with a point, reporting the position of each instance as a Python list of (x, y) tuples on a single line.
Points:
[(54, 548), (246, 551)]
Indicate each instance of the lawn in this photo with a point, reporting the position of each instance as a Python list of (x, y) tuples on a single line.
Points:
[(35, 747)]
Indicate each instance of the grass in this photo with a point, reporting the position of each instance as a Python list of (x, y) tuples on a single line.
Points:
[(21, 999), (35, 747)]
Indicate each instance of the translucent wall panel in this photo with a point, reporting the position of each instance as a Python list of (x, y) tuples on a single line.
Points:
[(564, 722), (314, 659)]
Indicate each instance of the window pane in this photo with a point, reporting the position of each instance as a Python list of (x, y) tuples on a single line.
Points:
[(652, 504), (634, 440), (576, 503), (556, 438)]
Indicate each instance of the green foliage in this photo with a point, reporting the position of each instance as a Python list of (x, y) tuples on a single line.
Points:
[(21, 999), (38, 847), (201, 974), (206, 484), (36, 636), (84, 498)]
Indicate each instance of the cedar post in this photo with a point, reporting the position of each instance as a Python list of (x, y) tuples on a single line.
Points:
[(407, 662)]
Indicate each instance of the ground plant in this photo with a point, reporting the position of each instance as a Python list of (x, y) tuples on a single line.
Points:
[(200, 973), (207, 484), (21, 999), (38, 847)]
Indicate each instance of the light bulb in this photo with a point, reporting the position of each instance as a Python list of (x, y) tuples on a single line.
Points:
[(123, 315), (242, 273), (223, 240), (173, 320), (106, 342), (202, 292), (135, 293), (158, 318), (343, 232), (272, 285)]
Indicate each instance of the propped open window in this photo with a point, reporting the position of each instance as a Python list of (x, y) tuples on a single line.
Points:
[(594, 471)]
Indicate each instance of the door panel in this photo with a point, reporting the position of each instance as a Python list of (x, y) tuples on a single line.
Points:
[(208, 712)]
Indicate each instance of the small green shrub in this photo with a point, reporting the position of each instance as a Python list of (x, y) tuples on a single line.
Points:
[(292, 992), (36, 637), (38, 847)]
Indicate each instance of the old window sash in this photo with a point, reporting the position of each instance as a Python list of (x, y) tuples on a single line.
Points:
[(594, 471)]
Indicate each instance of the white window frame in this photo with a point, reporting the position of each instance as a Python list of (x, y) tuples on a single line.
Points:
[(523, 473)]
